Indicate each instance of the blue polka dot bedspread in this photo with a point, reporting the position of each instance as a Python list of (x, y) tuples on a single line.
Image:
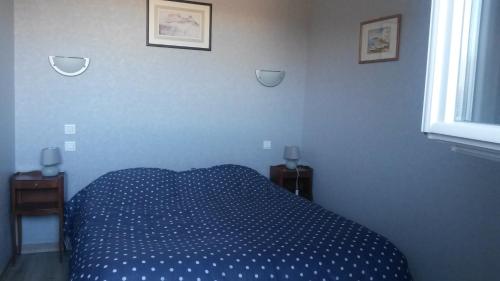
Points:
[(222, 223)]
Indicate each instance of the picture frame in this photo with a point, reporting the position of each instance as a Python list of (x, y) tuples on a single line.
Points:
[(379, 39), (179, 24)]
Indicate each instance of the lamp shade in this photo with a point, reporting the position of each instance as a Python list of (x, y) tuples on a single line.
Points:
[(292, 153), (51, 156)]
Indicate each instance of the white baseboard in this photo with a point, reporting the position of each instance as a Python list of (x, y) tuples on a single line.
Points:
[(40, 248)]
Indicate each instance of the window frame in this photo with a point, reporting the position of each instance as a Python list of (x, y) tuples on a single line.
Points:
[(451, 66)]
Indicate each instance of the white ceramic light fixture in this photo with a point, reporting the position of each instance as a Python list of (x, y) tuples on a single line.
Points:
[(69, 66), (270, 78)]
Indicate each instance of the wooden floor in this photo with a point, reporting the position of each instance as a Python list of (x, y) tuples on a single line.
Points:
[(37, 267)]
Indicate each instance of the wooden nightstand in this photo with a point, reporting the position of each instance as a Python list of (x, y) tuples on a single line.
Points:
[(35, 195), (287, 178)]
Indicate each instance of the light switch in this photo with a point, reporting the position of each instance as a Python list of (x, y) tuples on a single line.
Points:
[(70, 146), (69, 129), (267, 144)]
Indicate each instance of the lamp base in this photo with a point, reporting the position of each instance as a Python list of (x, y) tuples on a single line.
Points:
[(291, 164), (50, 171)]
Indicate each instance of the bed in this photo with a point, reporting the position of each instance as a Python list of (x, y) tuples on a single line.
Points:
[(222, 223)]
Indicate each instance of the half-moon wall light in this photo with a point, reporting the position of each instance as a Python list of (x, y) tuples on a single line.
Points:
[(270, 78), (69, 66)]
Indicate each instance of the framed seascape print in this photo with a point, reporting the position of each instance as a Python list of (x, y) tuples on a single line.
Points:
[(379, 40), (179, 24)]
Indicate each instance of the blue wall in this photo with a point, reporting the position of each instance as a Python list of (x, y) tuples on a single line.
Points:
[(158, 107), (6, 122), (362, 135)]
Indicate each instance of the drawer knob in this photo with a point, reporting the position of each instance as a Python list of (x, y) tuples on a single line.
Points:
[(36, 185)]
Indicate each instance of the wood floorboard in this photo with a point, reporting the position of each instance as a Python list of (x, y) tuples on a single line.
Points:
[(37, 267)]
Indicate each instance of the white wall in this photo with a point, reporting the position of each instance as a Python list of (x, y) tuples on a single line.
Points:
[(156, 107), (372, 164), (6, 122)]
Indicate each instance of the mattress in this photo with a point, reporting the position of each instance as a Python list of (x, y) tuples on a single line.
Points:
[(222, 223)]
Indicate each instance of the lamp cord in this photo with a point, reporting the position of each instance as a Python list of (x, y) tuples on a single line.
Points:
[(297, 191)]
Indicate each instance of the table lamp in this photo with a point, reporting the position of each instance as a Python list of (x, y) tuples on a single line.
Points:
[(292, 156), (51, 158)]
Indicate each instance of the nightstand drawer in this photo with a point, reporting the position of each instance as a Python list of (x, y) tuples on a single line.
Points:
[(292, 174), (41, 195), (293, 182), (38, 184)]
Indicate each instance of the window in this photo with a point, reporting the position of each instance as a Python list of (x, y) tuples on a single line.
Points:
[(462, 94)]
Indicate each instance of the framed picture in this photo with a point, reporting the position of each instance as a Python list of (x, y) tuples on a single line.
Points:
[(179, 24), (379, 39)]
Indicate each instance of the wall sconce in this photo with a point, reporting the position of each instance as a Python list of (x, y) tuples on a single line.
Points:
[(270, 78), (69, 66)]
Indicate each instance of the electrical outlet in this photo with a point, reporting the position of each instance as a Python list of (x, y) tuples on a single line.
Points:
[(69, 129), (70, 146), (267, 144)]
